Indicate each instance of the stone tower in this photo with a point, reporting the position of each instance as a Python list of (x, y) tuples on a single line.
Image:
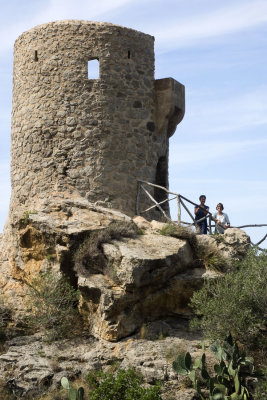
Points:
[(81, 138)]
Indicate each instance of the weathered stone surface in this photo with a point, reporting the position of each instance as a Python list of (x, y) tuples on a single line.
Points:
[(232, 245), (28, 244), (29, 366), (141, 279), (152, 276), (89, 138), (145, 278), (142, 296), (76, 139)]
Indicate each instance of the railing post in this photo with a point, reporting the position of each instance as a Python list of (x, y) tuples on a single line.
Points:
[(138, 198), (210, 225), (178, 210)]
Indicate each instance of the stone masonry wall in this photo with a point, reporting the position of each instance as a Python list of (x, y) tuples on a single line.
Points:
[(76, 137)]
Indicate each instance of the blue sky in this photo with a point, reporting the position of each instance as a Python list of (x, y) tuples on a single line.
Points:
[(218, 51)]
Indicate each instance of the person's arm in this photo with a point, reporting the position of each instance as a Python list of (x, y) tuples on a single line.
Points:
[(196, 210), (227, 222)]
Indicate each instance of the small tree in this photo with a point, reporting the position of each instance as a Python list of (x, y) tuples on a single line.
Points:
[(52, 305)]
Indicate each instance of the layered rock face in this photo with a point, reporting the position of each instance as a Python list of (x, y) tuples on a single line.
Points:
[(130, 280), (152, 277)]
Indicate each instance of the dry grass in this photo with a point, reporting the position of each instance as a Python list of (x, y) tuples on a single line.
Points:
[(89, 258), (211, 258), (180, 232), (174, 350)]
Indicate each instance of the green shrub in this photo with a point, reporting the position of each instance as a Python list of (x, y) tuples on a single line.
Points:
[(89, 257), (51, 302), (236, 302), (5, 392), (126, 385)]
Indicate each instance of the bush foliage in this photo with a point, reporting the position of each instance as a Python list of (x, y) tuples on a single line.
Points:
[(51, 302), (126, 385), (236, 302)]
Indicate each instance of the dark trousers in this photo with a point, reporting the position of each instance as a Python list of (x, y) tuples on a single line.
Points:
[(203, 226)]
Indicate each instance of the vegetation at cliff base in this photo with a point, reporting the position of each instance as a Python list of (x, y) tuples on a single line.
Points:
[(126, 385), (5, 317), (123, 385), (51, 303), (236, 302)]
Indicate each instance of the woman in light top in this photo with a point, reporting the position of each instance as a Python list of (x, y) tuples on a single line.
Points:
[(222, 220)]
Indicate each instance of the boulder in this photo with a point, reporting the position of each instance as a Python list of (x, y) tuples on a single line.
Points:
[(232, 245), (151, 276)]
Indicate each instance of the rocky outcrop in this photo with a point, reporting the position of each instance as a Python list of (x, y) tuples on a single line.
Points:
[(139, 279), (30, 366), (135, 288), (153, 276), (232, 245), (129, 281)]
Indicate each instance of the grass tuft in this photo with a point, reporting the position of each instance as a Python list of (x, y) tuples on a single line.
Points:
[(89, 258)]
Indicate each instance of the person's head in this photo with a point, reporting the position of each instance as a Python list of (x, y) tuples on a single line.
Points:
[(202, 198), (219, 206)]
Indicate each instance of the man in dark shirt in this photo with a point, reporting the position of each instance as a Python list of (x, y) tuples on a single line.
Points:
[(200, 213)]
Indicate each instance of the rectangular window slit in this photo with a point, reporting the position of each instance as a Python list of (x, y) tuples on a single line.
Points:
[(129, 54), (93, 69), (35, 56)]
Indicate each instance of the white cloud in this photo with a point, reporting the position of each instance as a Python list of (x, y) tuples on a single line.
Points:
[(227, 115), (224, 21), (57, 10), (84, 9), (176, 29), (192, 153)]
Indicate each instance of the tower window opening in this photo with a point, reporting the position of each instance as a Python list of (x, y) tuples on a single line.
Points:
[(93, 69), (129, 54), (35, 55)]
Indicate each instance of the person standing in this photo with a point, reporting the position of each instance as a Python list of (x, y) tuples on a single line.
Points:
[(222, 220), (201, 212)]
